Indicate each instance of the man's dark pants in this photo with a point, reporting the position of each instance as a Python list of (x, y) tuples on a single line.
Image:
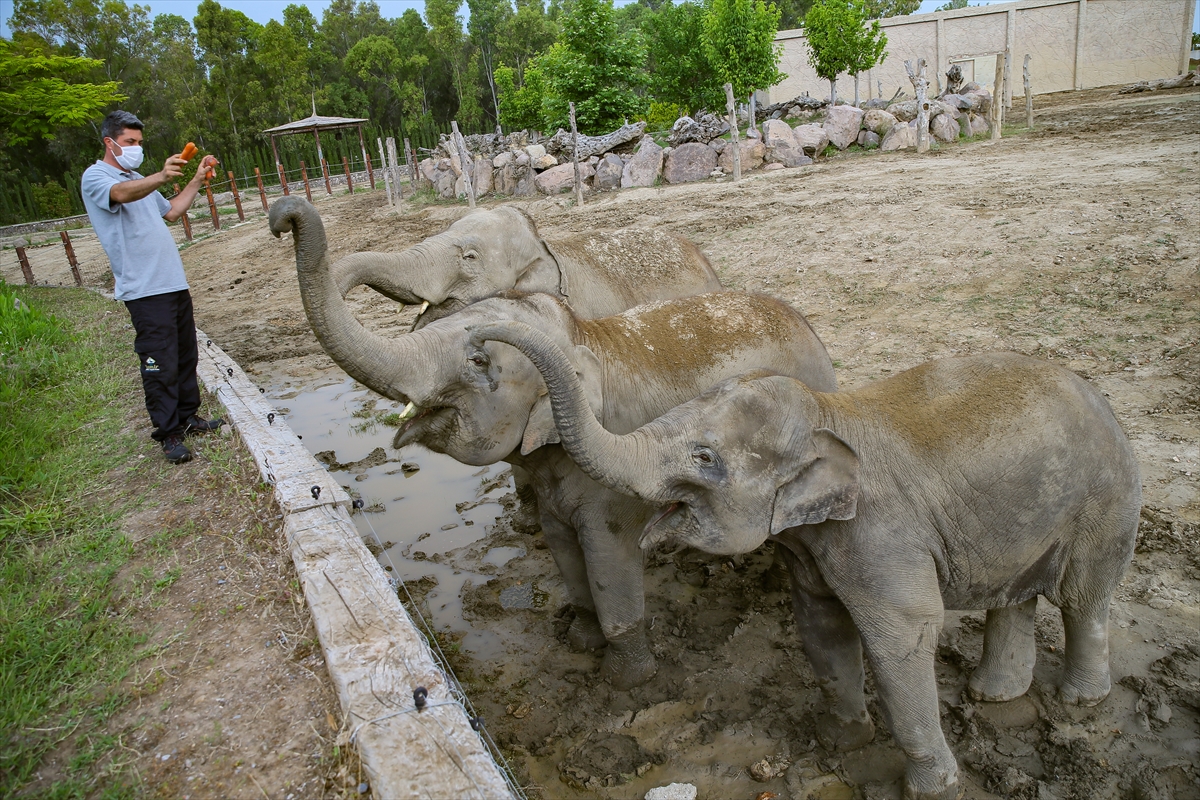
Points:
[(166, 345)]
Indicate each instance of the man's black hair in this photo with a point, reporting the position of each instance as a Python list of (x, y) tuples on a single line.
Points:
[(116, 122)]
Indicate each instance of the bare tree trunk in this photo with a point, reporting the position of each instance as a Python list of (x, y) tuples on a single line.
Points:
[(832, 92), (921, 84), (461, 146), (731, 107), (753, 115), (997, 113), (856, 90), (1028, 95), (575, 158)]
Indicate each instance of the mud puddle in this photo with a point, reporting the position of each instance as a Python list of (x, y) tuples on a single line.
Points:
[(418, 506)]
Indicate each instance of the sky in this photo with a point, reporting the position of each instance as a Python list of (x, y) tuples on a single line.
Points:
[(265, 10)]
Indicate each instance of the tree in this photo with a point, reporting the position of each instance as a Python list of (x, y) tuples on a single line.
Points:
[(878, 9), (739, 41), (867, 52), (227, 40), (593, 67), (376, 60), (831, 28), (524, 35), (487, 21), (41, 92), (791, 13), (953, 4), (680, 72)]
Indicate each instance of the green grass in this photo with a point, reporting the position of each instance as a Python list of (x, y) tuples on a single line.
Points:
[(65, 374)]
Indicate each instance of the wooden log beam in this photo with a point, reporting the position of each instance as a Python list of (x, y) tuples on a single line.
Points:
[(595, 145)]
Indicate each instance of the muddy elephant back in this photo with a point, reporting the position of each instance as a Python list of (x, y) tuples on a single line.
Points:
[(607, 272)]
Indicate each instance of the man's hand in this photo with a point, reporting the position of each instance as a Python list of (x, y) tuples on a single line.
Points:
[(207, 163), (172, 169)]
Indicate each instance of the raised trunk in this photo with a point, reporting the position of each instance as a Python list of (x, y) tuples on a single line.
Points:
[(408, 277), (384, 365), (608, 458)]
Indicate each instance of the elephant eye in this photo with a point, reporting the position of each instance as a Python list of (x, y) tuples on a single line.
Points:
[(704, 457), (479, 360), (470, 255)]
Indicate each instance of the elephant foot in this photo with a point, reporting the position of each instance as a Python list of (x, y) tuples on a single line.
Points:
[(951, 792), (526, 519), (628, 661), (585, 632), (837, 733), (1073, 693), (998, 686), (934, 778)]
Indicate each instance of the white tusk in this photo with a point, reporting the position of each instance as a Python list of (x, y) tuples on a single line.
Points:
[(417, 318), (409, 412), (424, 306)]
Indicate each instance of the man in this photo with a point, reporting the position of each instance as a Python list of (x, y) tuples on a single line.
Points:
[(127, 213)]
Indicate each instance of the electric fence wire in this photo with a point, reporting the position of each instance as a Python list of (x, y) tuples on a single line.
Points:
[(455, 686)]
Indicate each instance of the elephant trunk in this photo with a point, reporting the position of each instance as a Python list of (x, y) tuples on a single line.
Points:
[(608, 458), (384, 365), (410, 277)]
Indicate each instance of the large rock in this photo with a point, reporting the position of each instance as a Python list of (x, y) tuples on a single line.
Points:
[(445, 183), (515, 179), (975, 124), (608, 173), (544, 162), (428, 169), (842, 124), (481, 176), (901, 137), (878, 121), (751, 151), (945, 128), (776, 132), (535, 151), (812, 138), (562, 178), (645, 166), (868, 139), (502, 159), (703, 129), (689, 162)]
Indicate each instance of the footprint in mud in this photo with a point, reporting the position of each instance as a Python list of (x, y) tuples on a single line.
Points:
[(605, 759)]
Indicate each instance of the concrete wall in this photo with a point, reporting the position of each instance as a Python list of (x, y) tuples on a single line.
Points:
[(1073, 44)]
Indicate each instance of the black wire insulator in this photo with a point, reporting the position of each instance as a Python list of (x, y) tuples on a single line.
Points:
[(420, 696)]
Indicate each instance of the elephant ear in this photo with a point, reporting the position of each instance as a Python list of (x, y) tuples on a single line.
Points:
[(540, 429), (827, 488)]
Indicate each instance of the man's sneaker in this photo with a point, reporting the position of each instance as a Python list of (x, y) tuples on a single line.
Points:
[(175, 450), (197, 424)]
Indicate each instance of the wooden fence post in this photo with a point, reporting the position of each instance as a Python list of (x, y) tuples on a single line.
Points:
[(1028, 95), (26, 270), (185, 219), (1007, 81), (393, 169), (370, 171), (283, 183), (212, 205), (997, 115), (325, 173), (304, 177), (66, 240), (575, 158), (410, 162), (387, 180), (731, 107), (262, 193), (349, 180), (460, 144), (237, 198)]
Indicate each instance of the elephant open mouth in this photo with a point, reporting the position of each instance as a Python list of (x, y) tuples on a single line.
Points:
[(672, 520), (416, 423)]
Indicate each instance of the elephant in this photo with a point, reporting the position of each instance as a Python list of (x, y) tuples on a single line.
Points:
[(485, 405), (977, 482), (599, 273)]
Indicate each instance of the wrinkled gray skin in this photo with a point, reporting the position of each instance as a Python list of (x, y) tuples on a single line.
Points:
[(481, 405), (969, 483), (488, 251)]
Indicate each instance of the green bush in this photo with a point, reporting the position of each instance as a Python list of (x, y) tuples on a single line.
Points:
[(51, 199), (662, 116)]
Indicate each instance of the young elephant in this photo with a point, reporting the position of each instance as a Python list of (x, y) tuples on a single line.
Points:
[(969, 483)]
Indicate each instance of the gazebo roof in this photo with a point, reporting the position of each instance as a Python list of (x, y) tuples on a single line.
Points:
[(316, 123)]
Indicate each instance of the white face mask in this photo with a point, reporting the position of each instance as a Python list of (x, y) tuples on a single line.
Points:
[(130, 157)]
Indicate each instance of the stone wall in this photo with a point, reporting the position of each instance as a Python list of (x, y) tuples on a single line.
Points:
[(1122, 41)]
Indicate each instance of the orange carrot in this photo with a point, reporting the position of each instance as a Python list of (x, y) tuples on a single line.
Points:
[(189, 150)]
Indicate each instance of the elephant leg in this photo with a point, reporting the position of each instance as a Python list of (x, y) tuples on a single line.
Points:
[(1085, 678), (526, 517), (615, 569), (834, 649), (1006, 668), (585, 632)]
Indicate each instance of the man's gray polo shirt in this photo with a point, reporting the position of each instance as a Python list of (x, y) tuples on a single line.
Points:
[(144, 258)]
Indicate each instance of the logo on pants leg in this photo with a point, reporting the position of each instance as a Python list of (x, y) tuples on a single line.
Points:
[(151, 365)]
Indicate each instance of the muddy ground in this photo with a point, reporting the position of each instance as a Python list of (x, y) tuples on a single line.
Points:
[(1077, 243)]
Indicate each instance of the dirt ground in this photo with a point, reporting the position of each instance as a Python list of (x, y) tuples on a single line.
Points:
[(1078, 242)]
